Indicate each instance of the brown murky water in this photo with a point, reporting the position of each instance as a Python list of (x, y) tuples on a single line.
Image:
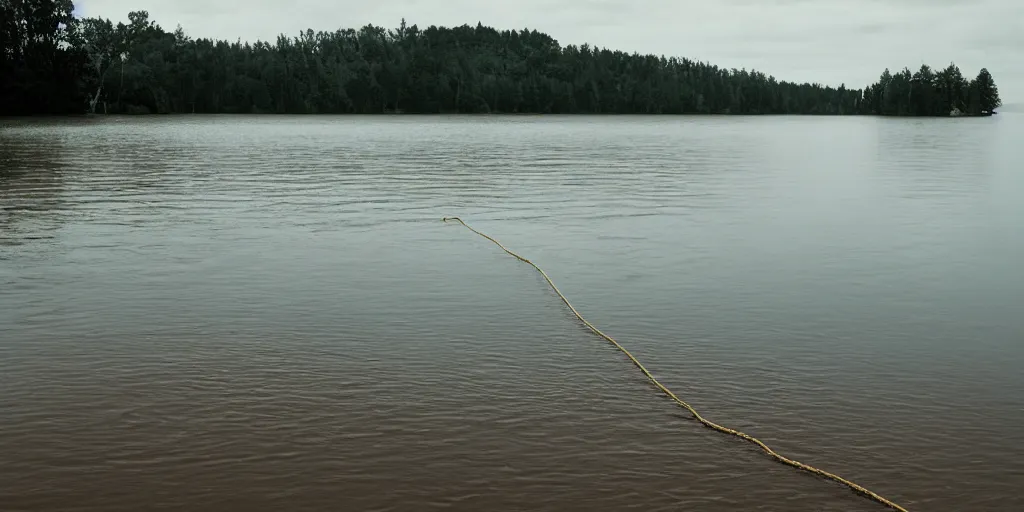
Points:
[(265, 313)]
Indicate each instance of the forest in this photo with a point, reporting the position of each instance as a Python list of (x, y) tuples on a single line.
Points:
[(52, 62)]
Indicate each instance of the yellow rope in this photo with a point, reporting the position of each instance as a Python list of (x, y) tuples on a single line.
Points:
[(707, 423)]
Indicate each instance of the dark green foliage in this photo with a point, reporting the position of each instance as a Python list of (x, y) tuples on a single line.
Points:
[(986, 92), (39, 70), (927, 93), (92, 64), (461, 69)]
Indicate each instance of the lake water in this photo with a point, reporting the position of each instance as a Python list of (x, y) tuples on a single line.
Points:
[(267, 313)]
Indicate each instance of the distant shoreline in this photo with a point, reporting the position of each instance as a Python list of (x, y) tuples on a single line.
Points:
[(491, 114), (90, 116), (141, 68)]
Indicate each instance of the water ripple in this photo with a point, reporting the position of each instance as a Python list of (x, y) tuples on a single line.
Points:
[(265, 313)]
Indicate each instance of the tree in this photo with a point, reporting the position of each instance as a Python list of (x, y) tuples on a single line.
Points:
[(988, 94), (103, 45), (39, 65), (923, 92)]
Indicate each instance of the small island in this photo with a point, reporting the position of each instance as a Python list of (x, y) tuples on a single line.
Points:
[(52, 62)]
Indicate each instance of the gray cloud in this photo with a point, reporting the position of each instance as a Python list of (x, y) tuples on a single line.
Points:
[(827, 41)]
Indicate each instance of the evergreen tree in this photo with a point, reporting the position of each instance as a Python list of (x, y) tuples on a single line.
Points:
[(988, 94)]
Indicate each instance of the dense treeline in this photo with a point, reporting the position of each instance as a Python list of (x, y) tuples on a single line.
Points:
[(52, 62), (930, 93)]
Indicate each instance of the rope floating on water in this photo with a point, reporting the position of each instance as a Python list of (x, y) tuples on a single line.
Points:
[(707, 423)]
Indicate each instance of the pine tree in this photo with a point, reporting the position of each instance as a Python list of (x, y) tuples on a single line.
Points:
[(988, 94)]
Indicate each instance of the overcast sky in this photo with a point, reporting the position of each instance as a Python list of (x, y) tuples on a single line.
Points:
[(827, 41)]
